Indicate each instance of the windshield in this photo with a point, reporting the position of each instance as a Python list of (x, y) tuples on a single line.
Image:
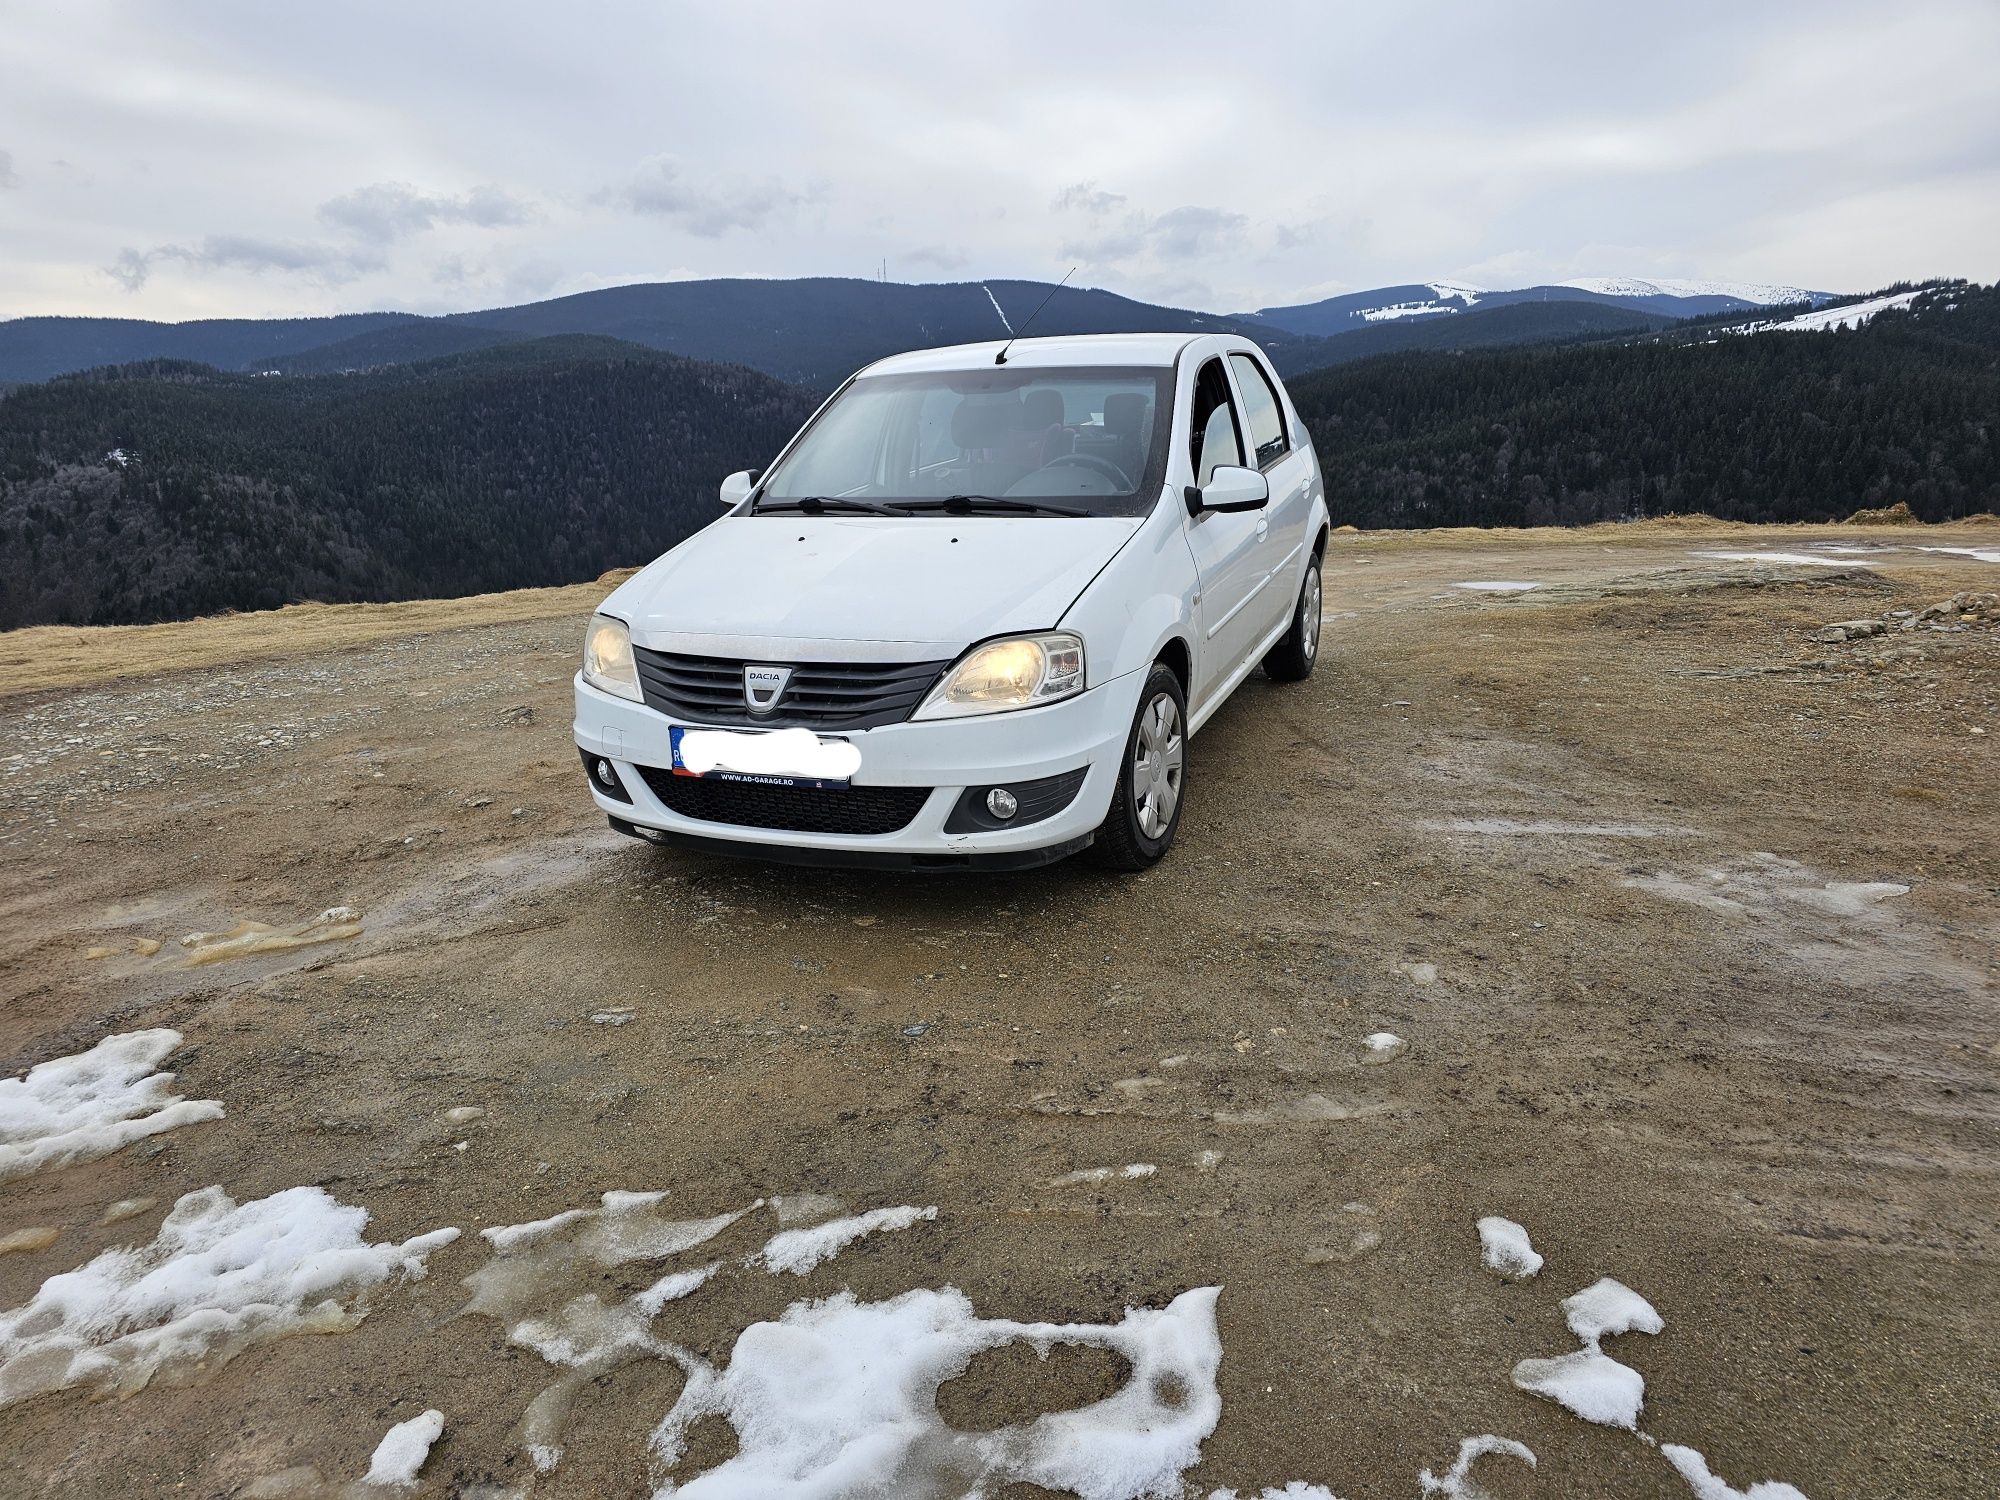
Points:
[(1078, 441)]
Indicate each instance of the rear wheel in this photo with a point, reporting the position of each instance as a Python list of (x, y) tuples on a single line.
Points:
[(1291, 660), (1152, 780)]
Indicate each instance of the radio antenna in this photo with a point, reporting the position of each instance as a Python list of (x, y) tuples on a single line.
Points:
[(1014, 333)]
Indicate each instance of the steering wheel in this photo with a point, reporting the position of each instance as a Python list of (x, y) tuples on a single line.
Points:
[(1102, 466)]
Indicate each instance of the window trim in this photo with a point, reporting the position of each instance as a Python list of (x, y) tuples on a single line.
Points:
[(1220, 360), (1277, 403)]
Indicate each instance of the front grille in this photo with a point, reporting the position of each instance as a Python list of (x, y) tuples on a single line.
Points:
[(794, 809), (821, 695)]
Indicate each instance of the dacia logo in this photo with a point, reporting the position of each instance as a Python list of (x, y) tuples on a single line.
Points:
[(764, 686)]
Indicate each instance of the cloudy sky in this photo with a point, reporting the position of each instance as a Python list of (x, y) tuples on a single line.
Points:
[(235, 157)]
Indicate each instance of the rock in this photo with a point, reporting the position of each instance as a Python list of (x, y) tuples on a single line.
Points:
[(1851, 630)]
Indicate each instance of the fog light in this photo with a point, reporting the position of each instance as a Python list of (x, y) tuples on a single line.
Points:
[(1000, 802), (606, 777)]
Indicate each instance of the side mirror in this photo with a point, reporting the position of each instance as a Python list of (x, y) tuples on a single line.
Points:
[(1229, 489), (737, 487)]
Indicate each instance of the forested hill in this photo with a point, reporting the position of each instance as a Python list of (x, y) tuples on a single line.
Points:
[(163, 490), (1771, 426)]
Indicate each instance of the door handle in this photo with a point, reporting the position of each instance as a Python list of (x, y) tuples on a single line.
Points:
[(1263, 527)]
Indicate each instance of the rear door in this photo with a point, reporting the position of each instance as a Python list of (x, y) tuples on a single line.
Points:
[(1227, 547), (1288, 469)]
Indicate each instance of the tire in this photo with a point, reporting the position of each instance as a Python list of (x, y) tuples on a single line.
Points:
[(1152, 780), (1291, 660)]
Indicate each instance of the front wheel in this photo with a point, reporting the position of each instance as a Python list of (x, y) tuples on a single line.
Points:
[(1291, 660), (1152, 781)]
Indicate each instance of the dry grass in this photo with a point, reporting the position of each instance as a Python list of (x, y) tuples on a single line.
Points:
[(67, 656)]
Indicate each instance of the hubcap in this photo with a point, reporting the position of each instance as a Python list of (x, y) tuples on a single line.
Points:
[(1158, 756), (1309, 614)]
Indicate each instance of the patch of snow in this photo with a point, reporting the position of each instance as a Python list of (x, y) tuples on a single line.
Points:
[(1496, 586), (1760, 293), (804, 1208), (1504, 1247), (247, 938), (529, 1259), (403, 1450), (799, 1250), (1786, 559), (1457, 1481), (78, 1108), (1309, 1109), (1692, 1467), (1978, 554), (1608, 1308), (1392, 311), (1589, 1382), (1853, 315), (836, 1394), (996, 307), (1593, 1385), (1418, 972), (218, 1278), (1461, 289)]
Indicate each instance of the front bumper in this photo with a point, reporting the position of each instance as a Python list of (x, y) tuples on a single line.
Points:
[(946, 755)]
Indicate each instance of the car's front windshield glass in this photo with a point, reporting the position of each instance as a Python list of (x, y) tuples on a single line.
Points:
[(1074, 440)]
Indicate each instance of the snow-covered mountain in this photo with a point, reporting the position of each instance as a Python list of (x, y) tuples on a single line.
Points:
[(1424, 300)]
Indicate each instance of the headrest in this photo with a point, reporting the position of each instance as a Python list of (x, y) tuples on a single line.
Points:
[(985, 421), (1125, 412), (1041, 409)]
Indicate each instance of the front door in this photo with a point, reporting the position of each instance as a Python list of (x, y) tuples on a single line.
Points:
[(1229, 548)]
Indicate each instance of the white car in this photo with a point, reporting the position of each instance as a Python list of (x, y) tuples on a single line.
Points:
[(971, 615)]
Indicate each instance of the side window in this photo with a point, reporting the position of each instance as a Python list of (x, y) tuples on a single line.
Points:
[(1260, 403), (1213, 438)]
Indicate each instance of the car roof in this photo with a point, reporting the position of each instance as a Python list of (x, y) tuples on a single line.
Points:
[(1160, 349)]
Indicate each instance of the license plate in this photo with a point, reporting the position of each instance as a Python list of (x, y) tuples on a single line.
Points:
[(767, 757)]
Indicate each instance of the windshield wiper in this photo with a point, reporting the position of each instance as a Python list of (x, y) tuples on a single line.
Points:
[(966, 504), (814, 505)]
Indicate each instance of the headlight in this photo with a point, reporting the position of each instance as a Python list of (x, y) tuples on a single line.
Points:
[(607, 658), (1021, 672)]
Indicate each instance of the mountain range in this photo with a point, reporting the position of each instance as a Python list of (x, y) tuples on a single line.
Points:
[(814, 331)]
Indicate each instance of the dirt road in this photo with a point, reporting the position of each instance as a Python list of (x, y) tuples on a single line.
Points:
[(1685, 921)]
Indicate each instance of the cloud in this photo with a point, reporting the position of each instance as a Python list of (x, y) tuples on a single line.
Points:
[(386, 211), (7, 177), (938, 257), (219, 252), (659, 188), (1086, 197), (1186, 233)]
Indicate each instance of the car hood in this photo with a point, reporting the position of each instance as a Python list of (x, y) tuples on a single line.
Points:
[(861, 587)]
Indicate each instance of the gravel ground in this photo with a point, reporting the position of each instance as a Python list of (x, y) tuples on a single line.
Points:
[(1687, 921)]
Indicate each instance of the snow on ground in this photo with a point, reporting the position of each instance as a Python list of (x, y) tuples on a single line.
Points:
[(1456, 1484), (78, 1108), (1853, 315), (1496, 586), (1761, 293), (246, 938), (1589, 1382), (1535, 827), (1593, 1385), (836, 1393), (529, 1260), (1692, 1467), (1978, 554), (403, 1450), (1791, 559), (799, 1250), (1768, 885), (218, 1278), (1505, 1248)]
